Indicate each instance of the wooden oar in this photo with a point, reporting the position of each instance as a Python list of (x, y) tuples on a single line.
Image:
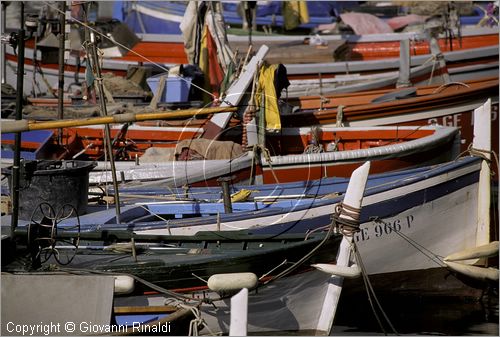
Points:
[(29, 125)]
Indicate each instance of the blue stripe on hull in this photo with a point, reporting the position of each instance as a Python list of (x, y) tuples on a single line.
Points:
[(383, 209)]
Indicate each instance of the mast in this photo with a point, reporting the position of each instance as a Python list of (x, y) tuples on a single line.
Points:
[(2, 51), (104, 113), (60, 92), (17, 139)]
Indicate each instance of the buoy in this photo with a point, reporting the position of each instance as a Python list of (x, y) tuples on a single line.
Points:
[(232, 281), (490, 249), (124, 284), (480, 273), (344, 271)]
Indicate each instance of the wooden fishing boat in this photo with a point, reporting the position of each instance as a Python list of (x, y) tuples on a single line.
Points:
[(454, 59), (184, 264), (421, 75), (295, 153), (447, 104), (305, 61), (164, 18), (229, 262), (450, 104), (444, 105), (210, 197), (298, 212), (368, 48), (301, 154)]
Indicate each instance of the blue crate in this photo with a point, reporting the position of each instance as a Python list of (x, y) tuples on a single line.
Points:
[(176, 88)]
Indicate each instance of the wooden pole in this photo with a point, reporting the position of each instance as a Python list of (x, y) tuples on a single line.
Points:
[(404, 64), (226, 195), (104, 113), (17, 139), (60, 93), (30, 125), (2, 46)]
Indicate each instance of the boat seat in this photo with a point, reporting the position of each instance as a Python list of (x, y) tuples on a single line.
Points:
[(392, 96)]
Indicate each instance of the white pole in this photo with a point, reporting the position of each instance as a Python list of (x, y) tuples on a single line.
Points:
[(353, 198), (239, 314), (482, 141)]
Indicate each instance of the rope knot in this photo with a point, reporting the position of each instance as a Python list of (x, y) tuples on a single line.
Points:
[(216, 101), (483, 154), (346, 219)]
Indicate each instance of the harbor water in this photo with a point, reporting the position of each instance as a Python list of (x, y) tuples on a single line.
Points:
[(411, 315)]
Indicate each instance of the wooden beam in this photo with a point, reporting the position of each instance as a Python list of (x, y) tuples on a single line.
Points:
[(234, 95), (144, 309), (29, 125)]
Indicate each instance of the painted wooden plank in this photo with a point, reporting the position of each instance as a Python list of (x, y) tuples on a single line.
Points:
[(482, 142), (235, 93), (239, 313)]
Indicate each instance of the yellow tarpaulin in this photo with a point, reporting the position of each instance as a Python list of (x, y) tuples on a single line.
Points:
[(266, 96), (203, 63), (294, 13)]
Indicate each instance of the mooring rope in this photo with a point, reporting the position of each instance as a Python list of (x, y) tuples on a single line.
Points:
[(267, 155), (425, 251), (345, 226), (371, 292), (480, 153)]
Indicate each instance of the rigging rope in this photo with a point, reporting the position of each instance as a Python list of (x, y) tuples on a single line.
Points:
[(370, 291), (345, 226), (483, 155), (428, 253), (267, 155)]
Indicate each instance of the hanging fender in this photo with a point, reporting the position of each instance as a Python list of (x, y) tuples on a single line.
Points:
[(480, 273), (490, 249), (347, 272)]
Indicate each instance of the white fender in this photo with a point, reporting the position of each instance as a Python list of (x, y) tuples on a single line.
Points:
[(479, 273), (349, 272), (124, 284), (490, 249), (232, 281)]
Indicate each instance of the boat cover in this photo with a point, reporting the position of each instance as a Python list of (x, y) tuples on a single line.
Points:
[(363, 23), (54, 300)]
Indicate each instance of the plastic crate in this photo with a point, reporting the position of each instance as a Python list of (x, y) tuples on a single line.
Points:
[(176, 88)]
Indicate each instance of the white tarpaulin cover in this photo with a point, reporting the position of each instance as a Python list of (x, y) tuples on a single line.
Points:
[(362, 23)]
